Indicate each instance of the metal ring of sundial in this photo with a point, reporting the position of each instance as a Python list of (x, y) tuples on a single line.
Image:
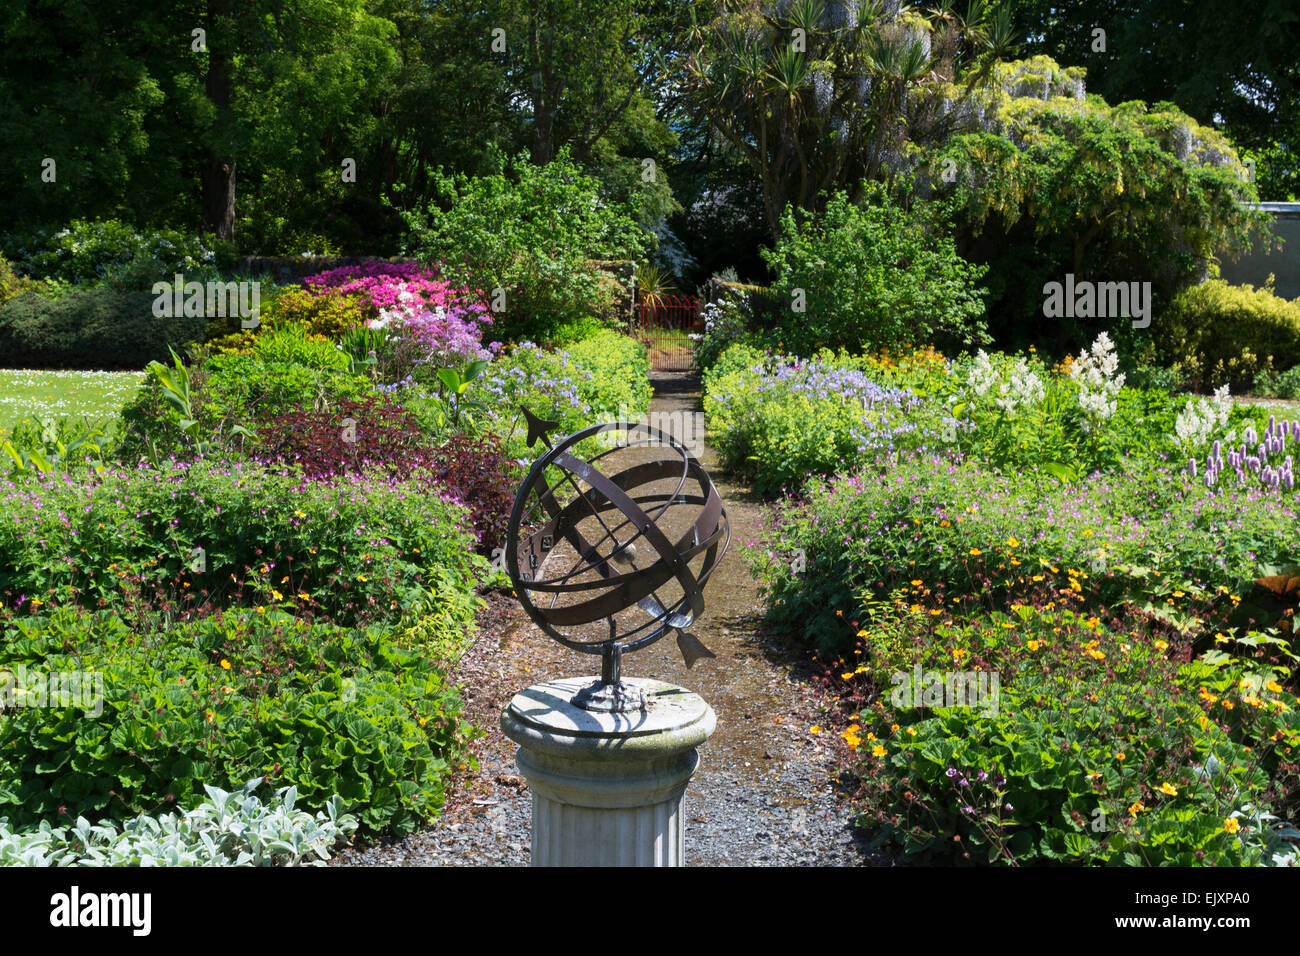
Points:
[(601, 563)]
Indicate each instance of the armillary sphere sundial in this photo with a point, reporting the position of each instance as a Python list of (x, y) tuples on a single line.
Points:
[(609, 554)]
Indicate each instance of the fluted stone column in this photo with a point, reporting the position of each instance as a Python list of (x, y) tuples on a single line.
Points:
[(607, 788)]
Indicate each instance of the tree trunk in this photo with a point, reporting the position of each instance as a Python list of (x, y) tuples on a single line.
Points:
[(547, 90), (218, 183)]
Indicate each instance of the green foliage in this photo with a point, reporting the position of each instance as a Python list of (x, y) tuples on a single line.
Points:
[(46, 445), (226, 829), (441, 624), (531, 231), (873, 274), (1279, 384), (113, 253), (286, 368), (329, 315), (615, 373), (1095, 749), (1055, 183), (1135, 537), (814, 102), (570, 386), (13, 285), (93, 328), (1221, 334), (182, 539), (217, 702)]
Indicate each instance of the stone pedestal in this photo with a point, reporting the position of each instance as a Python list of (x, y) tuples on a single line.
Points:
[(607, 788)]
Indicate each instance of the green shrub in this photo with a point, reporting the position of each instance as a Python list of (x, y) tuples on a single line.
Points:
[(220, 701), (1279, 384), (1093, 747), (92, 329), (186, 538), (873, 275), (1224, 334), (531, 231), (328, 314), (1137, 536), (12, 285), (616, 373), (114, 253), (286, 368)]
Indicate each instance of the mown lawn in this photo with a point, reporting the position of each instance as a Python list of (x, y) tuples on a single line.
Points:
[(29, 393)]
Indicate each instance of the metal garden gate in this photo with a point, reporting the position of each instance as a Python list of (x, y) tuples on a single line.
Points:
[(669, 326)]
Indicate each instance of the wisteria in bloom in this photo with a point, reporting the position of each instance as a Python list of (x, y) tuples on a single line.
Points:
[(1260, 460), (1201, 418), (1097, 373)]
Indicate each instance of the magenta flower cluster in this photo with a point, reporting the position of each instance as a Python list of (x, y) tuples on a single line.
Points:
[(446, 322)]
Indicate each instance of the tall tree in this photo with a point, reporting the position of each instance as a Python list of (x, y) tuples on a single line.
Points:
[(819, 94)]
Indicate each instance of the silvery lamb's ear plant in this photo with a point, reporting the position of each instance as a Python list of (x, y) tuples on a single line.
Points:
[(1265, 842), (227, 829)]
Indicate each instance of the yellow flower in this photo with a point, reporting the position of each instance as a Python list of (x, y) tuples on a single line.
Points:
[(225, 664), (1013, 543), (1162, 645), (362, 577), (1168, 789), (911, 731), (1274, 686), (815, 729), (976, 551), (916, 583), (1121, 755), (862, 633), (261, 610), (1033, 645), (304, 596), (1136, 808), (958, 654), (878, 750), (846, 676), (210, 717), (277, 595), (299, 514), (1231, 825), (893, 728)]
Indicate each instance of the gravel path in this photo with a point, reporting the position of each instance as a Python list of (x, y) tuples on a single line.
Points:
[(766, 792)]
